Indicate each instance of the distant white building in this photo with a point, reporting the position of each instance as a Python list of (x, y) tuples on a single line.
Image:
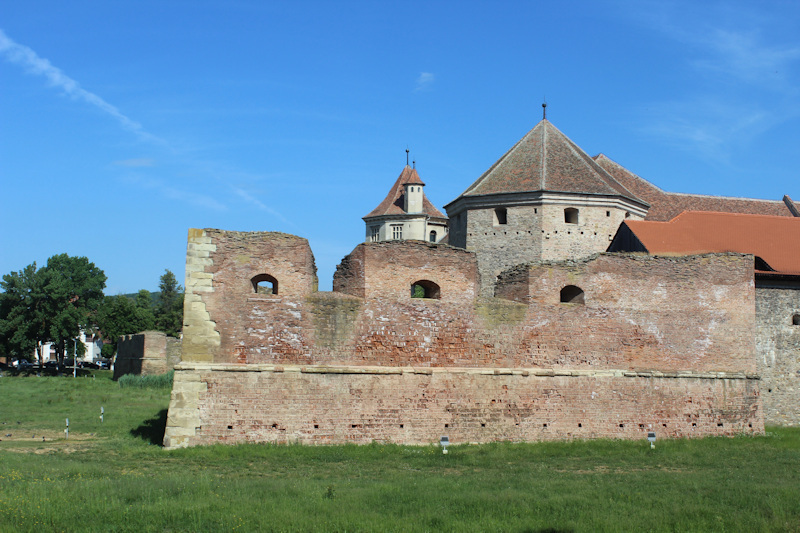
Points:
[(406, 213), (92, 343)]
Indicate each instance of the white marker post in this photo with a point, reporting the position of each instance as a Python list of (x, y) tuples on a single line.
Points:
[(66, 431), (102, 412), (444, 442)]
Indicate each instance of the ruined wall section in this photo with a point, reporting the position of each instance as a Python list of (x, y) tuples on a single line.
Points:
[(310, 367), (146, 353), (640, 312), (387, 270), (222, 308), (778, 341)]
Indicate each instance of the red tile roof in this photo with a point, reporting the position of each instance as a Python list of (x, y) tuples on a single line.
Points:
[(666, 205), (776, 240), (394, 201), (547, 160)]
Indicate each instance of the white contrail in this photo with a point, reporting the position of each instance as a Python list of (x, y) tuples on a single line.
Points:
[(22, 55)]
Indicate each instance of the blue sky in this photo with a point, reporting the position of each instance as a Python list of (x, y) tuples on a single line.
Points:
[(123, 124)]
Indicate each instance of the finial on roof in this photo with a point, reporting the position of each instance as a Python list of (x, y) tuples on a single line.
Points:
[(544, 110), (406, 156), (415, 164)]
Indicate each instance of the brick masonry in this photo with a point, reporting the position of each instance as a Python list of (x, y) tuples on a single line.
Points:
[(657, 341), (146, 353)]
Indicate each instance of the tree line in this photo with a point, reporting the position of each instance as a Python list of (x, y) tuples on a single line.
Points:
[(55, 303)]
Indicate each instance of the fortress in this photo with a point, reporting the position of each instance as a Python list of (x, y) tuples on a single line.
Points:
[(546, 305)]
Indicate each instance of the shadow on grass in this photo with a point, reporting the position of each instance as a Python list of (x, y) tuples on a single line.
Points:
[(153, 430)]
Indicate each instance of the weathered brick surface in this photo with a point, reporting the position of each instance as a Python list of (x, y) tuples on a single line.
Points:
[(660, 340), (640, 311), (220, 295), (146, 353), (313, 407), (388, 269), (778, 341)]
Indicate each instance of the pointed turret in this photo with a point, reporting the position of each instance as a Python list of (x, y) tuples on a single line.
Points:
[(406, 213), (544, 199)]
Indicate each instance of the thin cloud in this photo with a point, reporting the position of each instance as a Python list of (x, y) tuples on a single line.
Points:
[(32, 63), (744, 56), (424, 81), (719, 116), (183, 195), (249, 198), (138, 162)]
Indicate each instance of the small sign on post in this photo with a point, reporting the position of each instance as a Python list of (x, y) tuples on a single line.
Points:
[(444, 442), (651, 436)]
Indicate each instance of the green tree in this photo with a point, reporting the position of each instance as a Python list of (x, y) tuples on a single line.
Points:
[(52, 304), (169, 309), (21, 321), (119, 315), (73, 292)]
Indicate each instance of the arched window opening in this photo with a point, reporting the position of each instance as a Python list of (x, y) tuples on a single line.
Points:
[(571, 215), (572, 295), (500, 216), (265, 284), (433, 236), (796, 319), (425, 289)]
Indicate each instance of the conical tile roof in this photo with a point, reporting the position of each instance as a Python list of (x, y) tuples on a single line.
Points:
[(547, 160), (394, 201)]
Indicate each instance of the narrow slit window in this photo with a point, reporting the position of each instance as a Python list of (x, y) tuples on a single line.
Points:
[(500, 216), (796, 319)]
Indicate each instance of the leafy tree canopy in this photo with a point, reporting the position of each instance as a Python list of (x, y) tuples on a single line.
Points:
[(52, 304)]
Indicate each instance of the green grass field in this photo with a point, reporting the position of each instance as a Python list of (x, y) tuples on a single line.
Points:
[(114, 476)]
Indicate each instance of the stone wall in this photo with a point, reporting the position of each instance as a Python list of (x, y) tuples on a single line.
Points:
[(370, 362), (146, 353), (531, 233), (778, 341)]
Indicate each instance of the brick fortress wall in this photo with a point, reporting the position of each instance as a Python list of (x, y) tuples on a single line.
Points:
[(146, 353), (368, 362)]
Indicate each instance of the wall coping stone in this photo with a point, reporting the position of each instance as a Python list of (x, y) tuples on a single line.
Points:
[(388, 370)]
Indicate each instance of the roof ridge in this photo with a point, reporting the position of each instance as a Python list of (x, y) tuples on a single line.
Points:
[(614, 162), (592, 165), (690, 212)]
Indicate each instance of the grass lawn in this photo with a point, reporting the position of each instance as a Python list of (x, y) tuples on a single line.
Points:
[(114, 476)]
